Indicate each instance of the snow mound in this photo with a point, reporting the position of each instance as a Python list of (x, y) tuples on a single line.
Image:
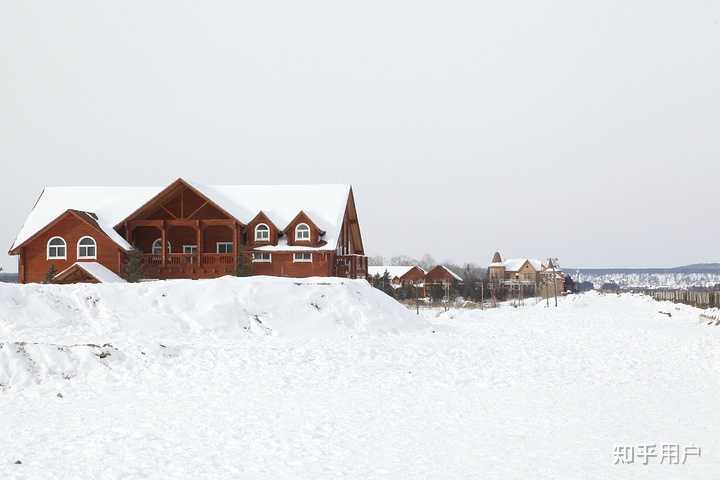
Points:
[(66, 331), (181, 310)]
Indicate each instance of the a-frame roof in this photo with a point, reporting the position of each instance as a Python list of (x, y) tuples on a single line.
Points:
[(168, 192)]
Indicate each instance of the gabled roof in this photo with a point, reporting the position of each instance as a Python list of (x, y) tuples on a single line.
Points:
[(324, 204), (173, 189), (87, 217), (301, 214), (393, 270), (453, 274), (515, 264), (95, 270)]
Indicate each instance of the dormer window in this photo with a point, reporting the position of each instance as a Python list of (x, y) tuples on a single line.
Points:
[(87, 249), (302, 232), (56, 249), (262, 233)]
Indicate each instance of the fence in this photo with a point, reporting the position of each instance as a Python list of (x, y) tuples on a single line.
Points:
[(695, 299)]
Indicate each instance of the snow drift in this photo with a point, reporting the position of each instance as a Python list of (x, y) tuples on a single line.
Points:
[(69, 330)]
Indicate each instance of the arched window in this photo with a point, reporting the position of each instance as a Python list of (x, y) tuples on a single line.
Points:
[(157, 249), (56, 249), (86, 248), (262, 233), (302, 232)]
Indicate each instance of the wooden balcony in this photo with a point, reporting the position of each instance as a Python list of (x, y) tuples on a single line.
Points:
[(351, 266), (188, 265)]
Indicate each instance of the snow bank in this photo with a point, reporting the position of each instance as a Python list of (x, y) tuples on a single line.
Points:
[(70, 330)]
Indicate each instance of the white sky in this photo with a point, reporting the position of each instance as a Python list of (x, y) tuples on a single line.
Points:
[(589, 131)]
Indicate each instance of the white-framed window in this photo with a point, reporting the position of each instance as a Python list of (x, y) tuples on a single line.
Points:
[(262, 233), (302, 257), (189, 249), (262, 257), (224, 247), (86, 248), (56, 249), (157, 249), (302, 232)]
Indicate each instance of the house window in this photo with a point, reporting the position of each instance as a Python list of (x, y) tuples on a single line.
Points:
[(157, 249), (262, 233), (224, 247), (56, 249), (189, 249), (302, 232), (302, 257), (86, 248), (262, 257)]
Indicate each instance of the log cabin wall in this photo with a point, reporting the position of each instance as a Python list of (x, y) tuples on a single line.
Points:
[(71, 229)]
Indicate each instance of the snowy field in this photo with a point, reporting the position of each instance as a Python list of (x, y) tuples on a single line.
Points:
[(279, 379)]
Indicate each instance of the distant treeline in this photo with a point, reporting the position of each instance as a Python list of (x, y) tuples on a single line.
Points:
[(697, 268)]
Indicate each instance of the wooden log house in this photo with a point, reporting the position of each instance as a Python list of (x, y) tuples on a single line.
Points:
[(186, 230)]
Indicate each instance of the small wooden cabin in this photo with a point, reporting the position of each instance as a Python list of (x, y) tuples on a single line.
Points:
[(186, 230), (441, 275), (402, 276)]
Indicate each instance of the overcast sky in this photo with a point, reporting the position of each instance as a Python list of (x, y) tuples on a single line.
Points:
[(588, 131)]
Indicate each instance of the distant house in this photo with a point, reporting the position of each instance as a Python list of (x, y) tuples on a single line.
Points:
[(186, 230), (401, 276), (442, 275), (529, 272), (522, 269)]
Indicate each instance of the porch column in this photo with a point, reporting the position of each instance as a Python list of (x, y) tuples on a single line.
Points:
[(235, 246), (163, 242), (198, 229)]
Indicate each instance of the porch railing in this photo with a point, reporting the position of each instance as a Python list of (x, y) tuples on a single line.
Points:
[(190, 259)]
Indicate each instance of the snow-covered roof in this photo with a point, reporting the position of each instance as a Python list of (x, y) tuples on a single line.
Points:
[(515, 264), (393, 270), (324, 204), (454, 275), (101, 273)]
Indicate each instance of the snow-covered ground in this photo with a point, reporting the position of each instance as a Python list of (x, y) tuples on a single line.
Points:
[(275, 379)]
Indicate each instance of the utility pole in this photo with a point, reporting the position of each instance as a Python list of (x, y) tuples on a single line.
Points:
[(482, 295), (547, 292), (553, 261)]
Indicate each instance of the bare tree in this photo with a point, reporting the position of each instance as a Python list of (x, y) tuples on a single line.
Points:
[(427, 261), (403, 260), (376, 261)]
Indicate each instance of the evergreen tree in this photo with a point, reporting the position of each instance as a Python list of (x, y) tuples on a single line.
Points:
[(243, 268), (50, 275), (437, 292), (407, 292), (470, 284), (386, 284), (133, 268), (570, 284)]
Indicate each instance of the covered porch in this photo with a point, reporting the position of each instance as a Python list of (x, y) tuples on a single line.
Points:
[(180, 248)]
